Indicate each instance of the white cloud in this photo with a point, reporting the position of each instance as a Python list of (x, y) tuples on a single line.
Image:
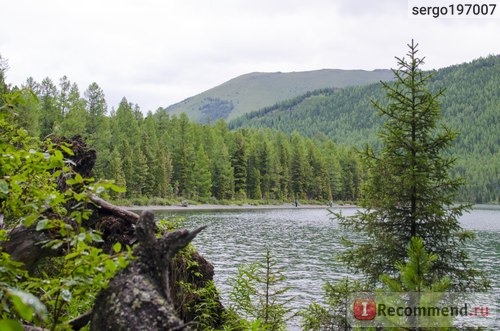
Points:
[(158, 52)]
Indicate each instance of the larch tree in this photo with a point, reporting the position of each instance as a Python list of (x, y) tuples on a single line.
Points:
[(239, 161), (183, 156), (409, 191), (50, 115), (75, 119), (298, 166), (202, 176), (222, 173), (4, 66), (98, 131)]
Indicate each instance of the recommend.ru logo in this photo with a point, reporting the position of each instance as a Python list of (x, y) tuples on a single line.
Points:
[(421, 309)]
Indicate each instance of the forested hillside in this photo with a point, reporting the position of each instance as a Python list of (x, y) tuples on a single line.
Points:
[(470, 104), (167, 157), (253, 91)]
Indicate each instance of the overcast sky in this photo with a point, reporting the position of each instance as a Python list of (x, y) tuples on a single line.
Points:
[(159, 52)]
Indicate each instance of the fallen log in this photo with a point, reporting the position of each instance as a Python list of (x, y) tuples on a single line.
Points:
[(114, 210), (25, 244), (115, 223)]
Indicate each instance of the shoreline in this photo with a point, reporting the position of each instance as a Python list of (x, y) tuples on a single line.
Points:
[(214, 207), (202, 207)]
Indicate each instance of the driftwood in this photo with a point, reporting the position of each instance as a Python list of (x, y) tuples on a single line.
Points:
[(139, 297)]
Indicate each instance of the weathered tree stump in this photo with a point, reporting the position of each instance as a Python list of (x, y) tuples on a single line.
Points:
[(139, 297)]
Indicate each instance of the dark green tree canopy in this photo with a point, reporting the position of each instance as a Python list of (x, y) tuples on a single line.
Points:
[(409, 191)]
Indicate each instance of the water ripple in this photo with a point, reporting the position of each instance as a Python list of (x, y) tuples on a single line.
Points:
[(305, 243)]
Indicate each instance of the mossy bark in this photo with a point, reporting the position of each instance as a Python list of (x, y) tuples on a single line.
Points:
[(140, 297)]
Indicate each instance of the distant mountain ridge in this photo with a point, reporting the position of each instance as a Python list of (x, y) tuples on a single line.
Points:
[(253, 91), (470, 105)]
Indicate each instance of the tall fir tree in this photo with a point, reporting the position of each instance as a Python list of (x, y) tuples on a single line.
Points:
[(202, 176), (334, 169), (28, 112), (253, 175), (115, 172), (148, 148), (183, 156), (50, 115), (409, 191), (63, 98), (298, 167), (76, 117), (239, 160), (319, 185), (163, 173), (284, 156), (222, 173), (140, 172), (98, 131)]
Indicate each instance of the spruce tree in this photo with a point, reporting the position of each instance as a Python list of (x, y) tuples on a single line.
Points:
[(409, 191), (222, 174), (298, 167), (284, 155), (239, 162), (415, 275), (98, 131), (258, 294), (76, 117), (50, 117), (183, 156), (202, 176)]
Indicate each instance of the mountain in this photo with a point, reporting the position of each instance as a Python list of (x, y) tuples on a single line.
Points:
[(470, 104), (253, 91)]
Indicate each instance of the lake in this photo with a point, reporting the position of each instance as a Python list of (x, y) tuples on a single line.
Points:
[(305, 243)]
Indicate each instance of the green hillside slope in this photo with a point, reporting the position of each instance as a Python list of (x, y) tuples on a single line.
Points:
[(471, 104), (253, 91)]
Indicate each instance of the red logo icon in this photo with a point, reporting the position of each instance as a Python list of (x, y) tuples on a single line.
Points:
[(365, 309)]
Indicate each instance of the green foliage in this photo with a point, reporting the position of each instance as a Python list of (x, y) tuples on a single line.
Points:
[(408, 191), (79, 276), (258, 295), (27, 175), (213, 109), (202, 303), (196, 298), (16, 304), (416, 274), (169, 157), (470, 104), (239, 161), (332, 314), (31, 176), (202, 176)]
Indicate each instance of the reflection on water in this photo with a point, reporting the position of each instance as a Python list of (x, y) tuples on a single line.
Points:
[(305, 243)]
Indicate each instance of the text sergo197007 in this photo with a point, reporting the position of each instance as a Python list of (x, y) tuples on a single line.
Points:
[(457, 10)]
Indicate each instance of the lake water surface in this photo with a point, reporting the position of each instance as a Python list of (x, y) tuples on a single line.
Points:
[(305, 243)]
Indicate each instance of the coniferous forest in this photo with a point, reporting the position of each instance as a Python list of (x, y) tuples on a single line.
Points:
[(470, 104), (67, 260), (158, 156)]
